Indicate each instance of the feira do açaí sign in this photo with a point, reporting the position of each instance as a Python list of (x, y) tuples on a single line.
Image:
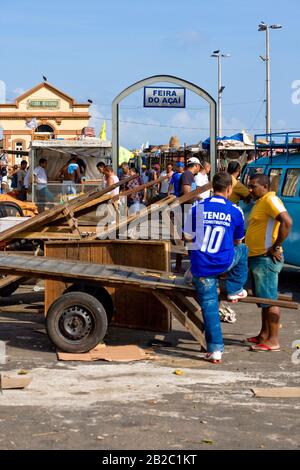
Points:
[(164, 97)]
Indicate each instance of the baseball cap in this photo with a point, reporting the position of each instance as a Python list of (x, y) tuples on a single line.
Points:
[(194, 160), (144, 166), (180, 164)]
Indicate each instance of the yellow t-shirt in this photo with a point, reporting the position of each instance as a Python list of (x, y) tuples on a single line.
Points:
[(263, 229), (239, 191)]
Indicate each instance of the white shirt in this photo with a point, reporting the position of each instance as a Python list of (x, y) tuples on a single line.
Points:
[(164, 185), (115, 191), (27, 179), (201, 179), (41, 177)]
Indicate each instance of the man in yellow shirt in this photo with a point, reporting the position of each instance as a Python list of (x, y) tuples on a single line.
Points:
[(239, 190), (268, 227)]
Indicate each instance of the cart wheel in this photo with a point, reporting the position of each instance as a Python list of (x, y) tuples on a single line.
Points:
[(76, 322), (99, 292)]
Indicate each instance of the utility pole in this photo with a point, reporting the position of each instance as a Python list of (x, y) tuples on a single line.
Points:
[(219, 56), (264, 27)]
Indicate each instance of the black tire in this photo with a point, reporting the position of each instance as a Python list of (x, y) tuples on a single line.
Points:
[(96, 291), (76, 322)]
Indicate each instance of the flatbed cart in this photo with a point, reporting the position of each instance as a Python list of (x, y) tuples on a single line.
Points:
[(77, 320)]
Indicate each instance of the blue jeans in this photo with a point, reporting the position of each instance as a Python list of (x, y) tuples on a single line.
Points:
[(207, 295)]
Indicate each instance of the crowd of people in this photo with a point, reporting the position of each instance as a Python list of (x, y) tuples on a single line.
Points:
[(219, 245)]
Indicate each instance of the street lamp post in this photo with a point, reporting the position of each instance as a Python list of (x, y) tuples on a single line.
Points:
[(219, 56), (264, 27)]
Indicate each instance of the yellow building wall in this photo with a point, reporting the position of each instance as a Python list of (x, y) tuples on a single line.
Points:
[(15, 130)]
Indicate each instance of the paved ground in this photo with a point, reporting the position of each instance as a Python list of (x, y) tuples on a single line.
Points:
[(143, 405)]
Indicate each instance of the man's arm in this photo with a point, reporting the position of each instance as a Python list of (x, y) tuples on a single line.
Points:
[(186, 188), (284, 229), (110, 181)]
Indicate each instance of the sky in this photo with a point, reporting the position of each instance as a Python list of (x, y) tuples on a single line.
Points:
[(95, 49)]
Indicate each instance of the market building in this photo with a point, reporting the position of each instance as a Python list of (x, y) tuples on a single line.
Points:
[(41, 113)]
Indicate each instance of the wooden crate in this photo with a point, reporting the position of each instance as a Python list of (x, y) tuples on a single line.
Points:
[(133, 309)]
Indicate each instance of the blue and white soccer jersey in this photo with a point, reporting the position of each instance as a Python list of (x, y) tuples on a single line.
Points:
[(213, 224)]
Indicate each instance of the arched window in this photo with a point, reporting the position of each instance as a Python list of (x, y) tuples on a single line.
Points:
[(44, 128)]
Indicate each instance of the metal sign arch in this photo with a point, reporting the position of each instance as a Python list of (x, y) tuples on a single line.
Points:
[(170, 79)]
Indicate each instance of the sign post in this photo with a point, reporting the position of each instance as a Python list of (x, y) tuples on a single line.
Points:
[(181, 85)]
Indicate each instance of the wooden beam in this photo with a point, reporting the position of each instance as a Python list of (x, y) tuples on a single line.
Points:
[(182, 318), (48, 236), (135, 217), (57, 213), (5, 281)]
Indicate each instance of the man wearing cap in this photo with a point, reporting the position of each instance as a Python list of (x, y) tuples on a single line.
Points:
[(187, 180), (175, 180)]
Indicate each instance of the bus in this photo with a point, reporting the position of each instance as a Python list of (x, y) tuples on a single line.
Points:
[(279, 158)]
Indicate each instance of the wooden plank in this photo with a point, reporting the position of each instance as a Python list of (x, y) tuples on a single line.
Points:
[(277, 303), (139, 188), (182, 318), (57, 212), (97, 197), (71, 221), (281, 296), (5, 281), (138, 216), (47, 236), (193, 308)]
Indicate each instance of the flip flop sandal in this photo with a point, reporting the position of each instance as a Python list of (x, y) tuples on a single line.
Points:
[(253, 340), (263, 348)]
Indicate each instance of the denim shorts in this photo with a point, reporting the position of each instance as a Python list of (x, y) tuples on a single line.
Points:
[(264, 277)]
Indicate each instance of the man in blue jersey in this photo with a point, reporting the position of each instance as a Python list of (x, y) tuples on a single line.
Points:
[(215, 230)]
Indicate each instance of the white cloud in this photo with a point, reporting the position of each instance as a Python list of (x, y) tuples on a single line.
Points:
[(186, 38), (18, 91)]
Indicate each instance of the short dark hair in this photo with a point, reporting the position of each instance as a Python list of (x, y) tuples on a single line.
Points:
[(263, 180), (108, 168), (42, 160), (100, 164), (233, 167), (23, 162), (134, 168), (191, 165), (221, 181)]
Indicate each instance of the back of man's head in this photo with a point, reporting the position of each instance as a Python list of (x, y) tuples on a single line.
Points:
[(221, 181), (233, 167)]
